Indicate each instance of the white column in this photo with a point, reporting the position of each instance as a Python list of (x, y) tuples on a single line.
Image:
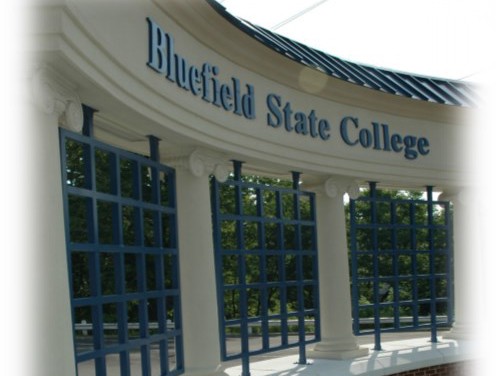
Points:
[(47, 280), (337, 339), (196, 258), (467, 254)]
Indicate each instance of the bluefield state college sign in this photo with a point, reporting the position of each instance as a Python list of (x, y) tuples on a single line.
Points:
[(239, 98)]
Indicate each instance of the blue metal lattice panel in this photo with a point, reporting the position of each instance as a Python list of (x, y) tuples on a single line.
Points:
[(401, 263), (266, 260), (120, 215)]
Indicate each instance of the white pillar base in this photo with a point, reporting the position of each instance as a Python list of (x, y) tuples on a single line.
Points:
[(339, 350), (217, 371), (461, 332)]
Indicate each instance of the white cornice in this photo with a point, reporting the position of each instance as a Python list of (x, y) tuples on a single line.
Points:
[(104, 55), (243, 50)]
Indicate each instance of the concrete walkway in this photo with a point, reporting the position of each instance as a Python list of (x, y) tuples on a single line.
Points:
[(401, 352), (396, 356)]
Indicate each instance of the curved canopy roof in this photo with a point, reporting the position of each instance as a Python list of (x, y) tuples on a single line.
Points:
[(423, 88)]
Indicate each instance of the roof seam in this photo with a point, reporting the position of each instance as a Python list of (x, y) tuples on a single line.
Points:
[(436, 90)]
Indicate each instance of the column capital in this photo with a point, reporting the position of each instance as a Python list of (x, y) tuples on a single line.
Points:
[(458, 195), (54, 95), (337, 186), (200, 162)]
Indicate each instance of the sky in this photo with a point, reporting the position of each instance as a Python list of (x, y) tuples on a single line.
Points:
[(440, 38)]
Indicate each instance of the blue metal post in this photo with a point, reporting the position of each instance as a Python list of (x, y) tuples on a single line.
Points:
[(353, 256), (261, 236), (88, 113), (317, 317), (300, 271), (433, 290), (376, 267), (282, 271), (395, 259), (450, 263), (414, 265), (93, 231), (218, 263), (237, 166)]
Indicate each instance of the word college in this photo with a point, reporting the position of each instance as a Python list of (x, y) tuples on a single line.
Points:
[(239, 98)]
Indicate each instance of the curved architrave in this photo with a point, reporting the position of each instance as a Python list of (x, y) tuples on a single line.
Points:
[(104, 52)]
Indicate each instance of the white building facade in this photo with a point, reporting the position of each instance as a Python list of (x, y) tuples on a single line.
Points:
[(213, 91)]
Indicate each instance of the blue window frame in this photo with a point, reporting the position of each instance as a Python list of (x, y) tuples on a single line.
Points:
[(120, 215), (401, 263), (266, 260)]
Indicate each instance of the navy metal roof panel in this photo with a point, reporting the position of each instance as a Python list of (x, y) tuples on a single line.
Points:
[(437, 90)]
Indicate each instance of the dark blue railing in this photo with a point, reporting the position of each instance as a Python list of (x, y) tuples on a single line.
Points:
[(266, 261), (401, 263), (120, 215)]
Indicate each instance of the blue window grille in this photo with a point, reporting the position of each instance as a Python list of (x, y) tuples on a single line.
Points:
[(120, 215), (266, 260), (401, 264)]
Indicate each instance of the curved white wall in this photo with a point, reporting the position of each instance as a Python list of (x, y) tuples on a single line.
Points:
[(103, 48)]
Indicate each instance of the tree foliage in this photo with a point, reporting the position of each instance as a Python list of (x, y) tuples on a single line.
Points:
[(243, 245), (82, 212), (117, 234), (404, 249)]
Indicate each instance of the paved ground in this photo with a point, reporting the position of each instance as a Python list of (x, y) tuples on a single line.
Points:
[(362, 340), (396, 356), (113, 367)]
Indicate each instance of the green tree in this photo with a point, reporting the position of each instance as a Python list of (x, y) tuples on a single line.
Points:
[(405, 251), (96, 221), (260, 200)]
